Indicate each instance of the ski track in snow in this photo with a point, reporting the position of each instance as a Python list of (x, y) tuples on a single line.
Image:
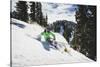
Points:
[(28, 51)]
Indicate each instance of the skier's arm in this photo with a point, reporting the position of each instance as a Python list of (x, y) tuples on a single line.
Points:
[(53, 35)]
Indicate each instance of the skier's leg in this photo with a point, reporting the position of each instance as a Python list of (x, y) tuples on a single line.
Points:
[(53, 43)]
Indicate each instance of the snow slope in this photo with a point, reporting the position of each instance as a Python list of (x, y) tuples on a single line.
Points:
[(28, 51)]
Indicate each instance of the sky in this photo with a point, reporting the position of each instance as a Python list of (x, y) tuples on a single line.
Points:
[(56, 11), (59, 11)]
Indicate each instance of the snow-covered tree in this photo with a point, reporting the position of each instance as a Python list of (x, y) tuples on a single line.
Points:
[(36, 13), (21, 9), (85, 36), (32, 9)]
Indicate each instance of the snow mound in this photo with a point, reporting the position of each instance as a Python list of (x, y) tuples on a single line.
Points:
[(28, 51)]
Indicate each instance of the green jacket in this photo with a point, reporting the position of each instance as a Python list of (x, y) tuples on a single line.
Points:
[(47, 35)]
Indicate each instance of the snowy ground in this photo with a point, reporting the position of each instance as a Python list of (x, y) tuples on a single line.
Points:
[(28, 51)]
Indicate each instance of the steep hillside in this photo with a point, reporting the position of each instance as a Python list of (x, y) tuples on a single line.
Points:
[(27, 50)]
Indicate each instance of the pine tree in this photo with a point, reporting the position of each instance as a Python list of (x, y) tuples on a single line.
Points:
[(21, 9), (39, 15), (45, 20), (36, 13), (32, 9), (85, 36)]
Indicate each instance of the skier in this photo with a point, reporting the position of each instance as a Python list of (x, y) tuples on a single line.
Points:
[(49, 37)]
